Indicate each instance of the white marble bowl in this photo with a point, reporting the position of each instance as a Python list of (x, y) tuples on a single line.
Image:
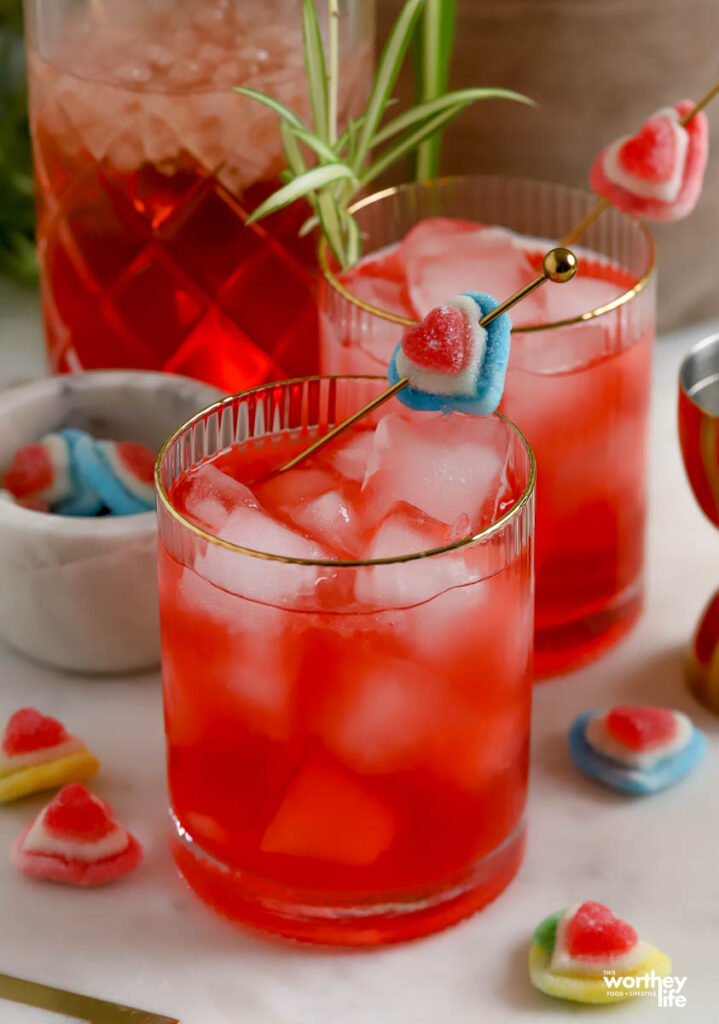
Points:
[(81, 594)]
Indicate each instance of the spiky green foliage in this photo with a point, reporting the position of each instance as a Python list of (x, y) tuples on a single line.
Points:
[(371, 144)]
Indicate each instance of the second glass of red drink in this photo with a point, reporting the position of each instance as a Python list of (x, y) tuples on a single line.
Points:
[(578, 382), (346, 661)]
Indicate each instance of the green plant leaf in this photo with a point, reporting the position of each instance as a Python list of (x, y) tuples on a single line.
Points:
[(321, 148), (301, 186), (387, 70), (407, 143), (330, 218), (354, 125), (434, 40), (354, 240), (316, 70), (292, 151), (269, 101), (460, 98), (309, 226)]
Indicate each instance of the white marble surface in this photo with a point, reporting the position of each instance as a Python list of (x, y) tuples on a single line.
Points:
[(149, 943)]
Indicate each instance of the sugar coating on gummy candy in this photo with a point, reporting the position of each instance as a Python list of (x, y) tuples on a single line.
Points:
[(76, 839), (658, 173), (40, 472), (71, 474), (84, 498), (634, 748), (450, 361), (37, 752), (29, 731), (574, 949), (134, 466), (118, 474), (443, 353), (645, 729)]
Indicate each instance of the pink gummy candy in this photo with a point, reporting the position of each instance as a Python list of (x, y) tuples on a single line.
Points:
[(70, 826), (641, 728), (594, 931), (29, 730), (656, 174), (441, 342), (31, 472), (137, 460)]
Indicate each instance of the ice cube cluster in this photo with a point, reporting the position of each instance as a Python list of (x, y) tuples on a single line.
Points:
[(404, 487), (444, 256), (152, 84)]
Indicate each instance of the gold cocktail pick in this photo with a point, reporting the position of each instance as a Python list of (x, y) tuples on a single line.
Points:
[(603, 204), (559, 265), (72, 1004)]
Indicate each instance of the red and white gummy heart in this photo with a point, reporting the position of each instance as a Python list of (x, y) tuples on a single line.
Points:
[(638, 736), (76, 839), (657, 173), (443, 354), (590, 939)]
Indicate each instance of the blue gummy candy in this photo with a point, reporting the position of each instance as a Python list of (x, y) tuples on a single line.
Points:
[(97, 470), (490, 383), (84, 499), (638, 781)]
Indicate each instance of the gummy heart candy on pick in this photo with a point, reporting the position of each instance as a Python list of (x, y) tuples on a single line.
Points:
[(636, 749), (657, 174), (76, 839), (450, 361), (36, 753), (574, 950)]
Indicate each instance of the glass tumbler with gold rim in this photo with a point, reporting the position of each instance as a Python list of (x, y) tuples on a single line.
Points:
[(579, 372), (347, 740)]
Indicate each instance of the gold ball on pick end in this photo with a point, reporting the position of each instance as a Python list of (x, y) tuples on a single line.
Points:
[(560, 265)]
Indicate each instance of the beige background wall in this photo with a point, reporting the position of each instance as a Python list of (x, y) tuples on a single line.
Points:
[(597, 68)]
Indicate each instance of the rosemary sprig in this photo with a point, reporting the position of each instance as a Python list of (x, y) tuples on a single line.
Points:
[(368, 147)]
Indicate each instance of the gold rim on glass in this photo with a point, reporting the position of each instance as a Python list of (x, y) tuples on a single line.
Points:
[(488, 531), (403, 321)]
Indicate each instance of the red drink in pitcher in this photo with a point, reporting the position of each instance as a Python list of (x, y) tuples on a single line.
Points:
[(348, 716), (147, 166)]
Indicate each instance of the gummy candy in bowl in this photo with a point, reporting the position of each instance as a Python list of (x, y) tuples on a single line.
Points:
[(79, 591)]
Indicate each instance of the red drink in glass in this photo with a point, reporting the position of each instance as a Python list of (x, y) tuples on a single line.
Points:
[(347, 724), (579, 373), (147, 166)]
